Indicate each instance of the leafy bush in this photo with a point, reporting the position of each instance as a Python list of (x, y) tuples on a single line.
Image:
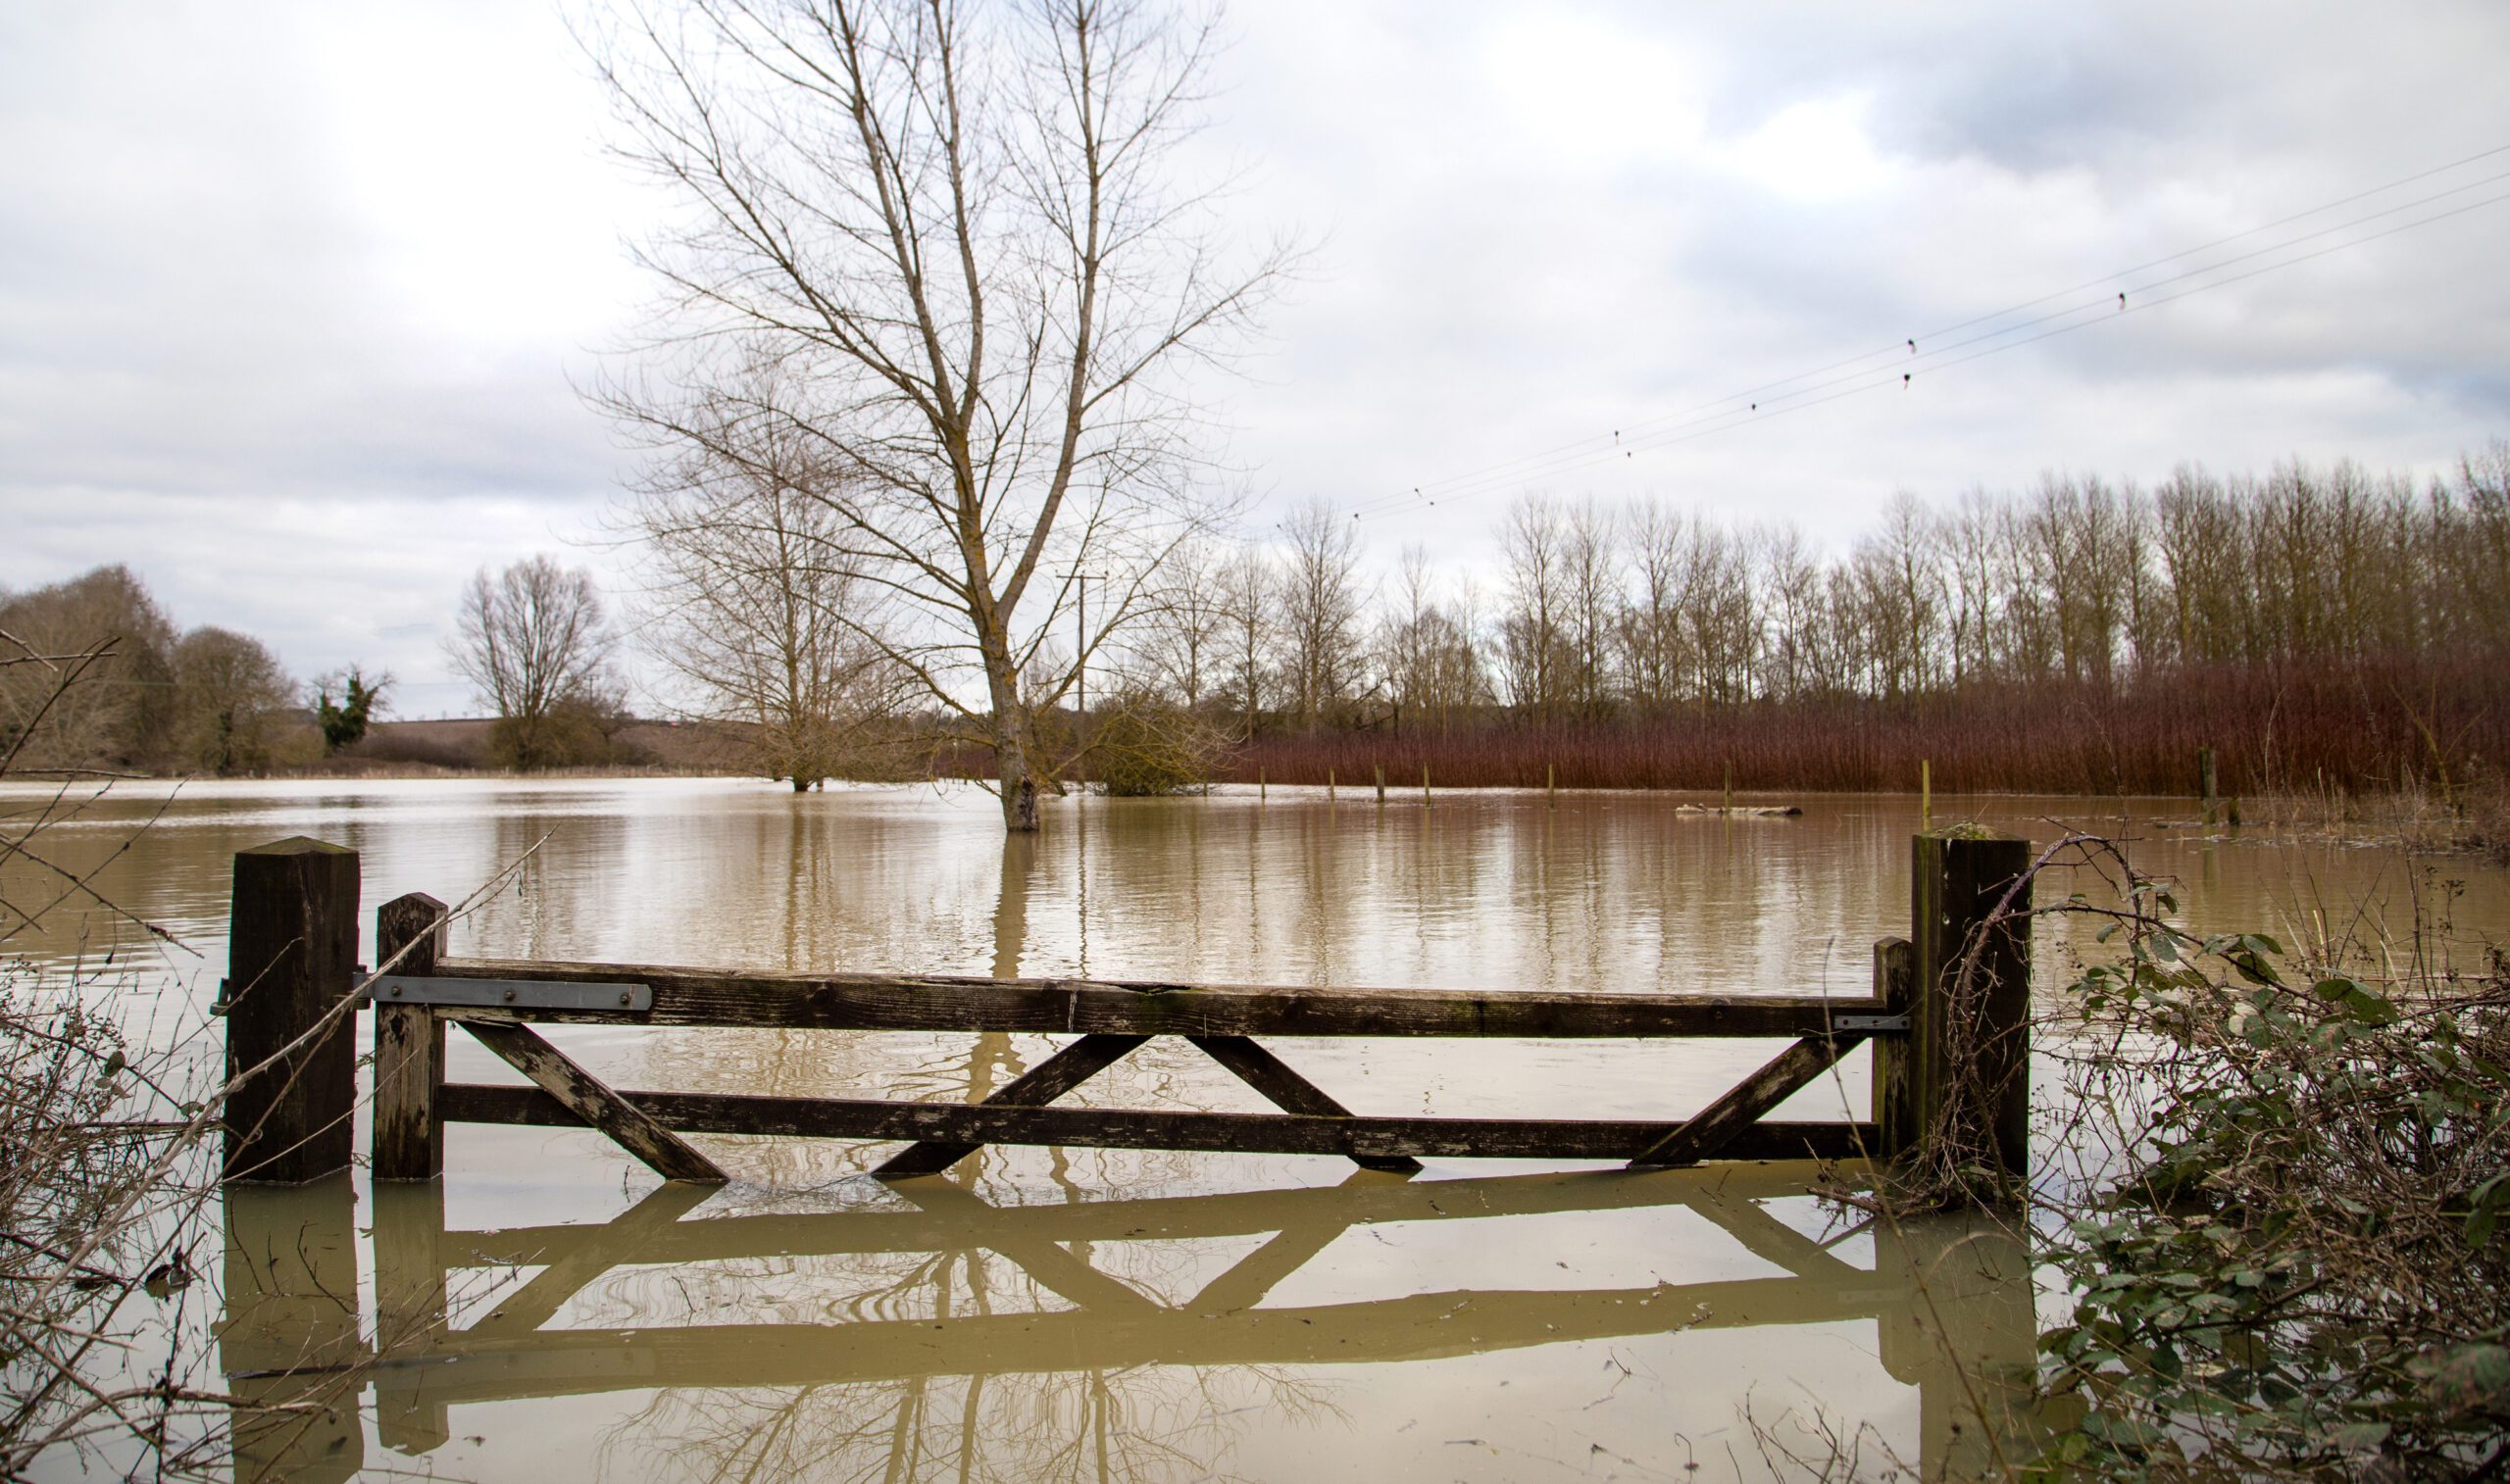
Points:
[(2298, 1266)]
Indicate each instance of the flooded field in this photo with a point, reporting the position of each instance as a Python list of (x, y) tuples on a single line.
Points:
[(1109, 1314)]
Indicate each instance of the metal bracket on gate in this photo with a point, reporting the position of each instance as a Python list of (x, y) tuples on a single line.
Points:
[(1870, 1023), (520, 994)]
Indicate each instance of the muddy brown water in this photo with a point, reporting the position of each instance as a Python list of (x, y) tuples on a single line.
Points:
[(1114, 1315)]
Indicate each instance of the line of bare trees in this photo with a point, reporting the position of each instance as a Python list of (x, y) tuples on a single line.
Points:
[(208, 700), (1600, 613)]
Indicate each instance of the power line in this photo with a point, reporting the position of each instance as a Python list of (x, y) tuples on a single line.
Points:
[(1881, 381), (1790, 393), (1942, 357)]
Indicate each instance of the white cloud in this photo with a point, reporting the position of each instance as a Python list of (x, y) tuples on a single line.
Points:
[(1817, 150)]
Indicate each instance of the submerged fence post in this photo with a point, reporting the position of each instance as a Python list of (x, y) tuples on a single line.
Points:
[(2205, 783), (291, 946), (408, 1046), (1968, 1049), (1381, 783), (1425, 785), (1328, 786)]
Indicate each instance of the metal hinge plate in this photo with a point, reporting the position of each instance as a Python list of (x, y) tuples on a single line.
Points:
[(517, 993), (1871, 1024)]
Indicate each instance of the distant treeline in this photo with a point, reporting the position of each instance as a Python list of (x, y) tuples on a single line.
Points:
[(2314, 626), (207, 700), (95, 678)]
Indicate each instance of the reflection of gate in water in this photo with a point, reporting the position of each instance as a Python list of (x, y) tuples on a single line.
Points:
[(293, 1320)]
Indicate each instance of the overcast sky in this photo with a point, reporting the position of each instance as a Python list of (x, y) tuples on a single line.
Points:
[(294, 297)]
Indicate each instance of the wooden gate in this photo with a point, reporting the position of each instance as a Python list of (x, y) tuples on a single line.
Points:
[(292, 941)]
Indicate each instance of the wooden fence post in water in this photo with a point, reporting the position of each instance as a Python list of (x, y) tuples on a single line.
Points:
[(1425, 785), (1925, 794), (1968, 1049), (1550, 788), (1381, 783), (2205, 783), (408, 1046), (1328, 786), (291, 945)]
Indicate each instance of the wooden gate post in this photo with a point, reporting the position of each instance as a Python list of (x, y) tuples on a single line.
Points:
[(1968, 1049), (291, 946), (408, 1046)]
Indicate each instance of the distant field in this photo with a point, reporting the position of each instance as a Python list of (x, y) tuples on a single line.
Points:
[(461, 745)]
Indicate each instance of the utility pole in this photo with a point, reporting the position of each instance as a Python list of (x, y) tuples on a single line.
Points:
[(1081, 677)]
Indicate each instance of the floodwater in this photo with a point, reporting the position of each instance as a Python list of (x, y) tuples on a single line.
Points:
[(550, 1312)]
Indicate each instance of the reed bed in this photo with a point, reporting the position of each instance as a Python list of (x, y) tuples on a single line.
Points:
[(2351, 729)]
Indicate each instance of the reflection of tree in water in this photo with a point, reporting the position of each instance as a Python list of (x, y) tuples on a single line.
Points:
[(1139, 1422), (1168, 1422)]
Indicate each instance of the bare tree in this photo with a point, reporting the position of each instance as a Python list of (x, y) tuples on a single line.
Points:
[(531, 641), (1790, 580), (1187, 625), (1428, 650), (1590, 573), (1247, 597), (232, 700), (125, 725), (1321, 598), (758, 611), (957, 229), (1530, 545)]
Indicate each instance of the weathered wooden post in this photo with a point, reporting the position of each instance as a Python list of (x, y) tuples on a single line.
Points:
[(291, 947), (1260, 795), (1925, 794), (1380, 785), (1328, 786), (1729, 785), (408, 1045), (2205, 783), (1968, 1047), (1550, 788), (1425, 785)]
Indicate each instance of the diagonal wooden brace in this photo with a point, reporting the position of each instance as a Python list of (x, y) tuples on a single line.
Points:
[(672, 1156), (1040, 1085), (1716, 1126), (1270, 1075)]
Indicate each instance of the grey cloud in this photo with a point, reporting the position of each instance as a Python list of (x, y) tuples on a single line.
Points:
[(222, 358)]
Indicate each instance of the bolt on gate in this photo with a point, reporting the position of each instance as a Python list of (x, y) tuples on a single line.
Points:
[(293, 942)]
